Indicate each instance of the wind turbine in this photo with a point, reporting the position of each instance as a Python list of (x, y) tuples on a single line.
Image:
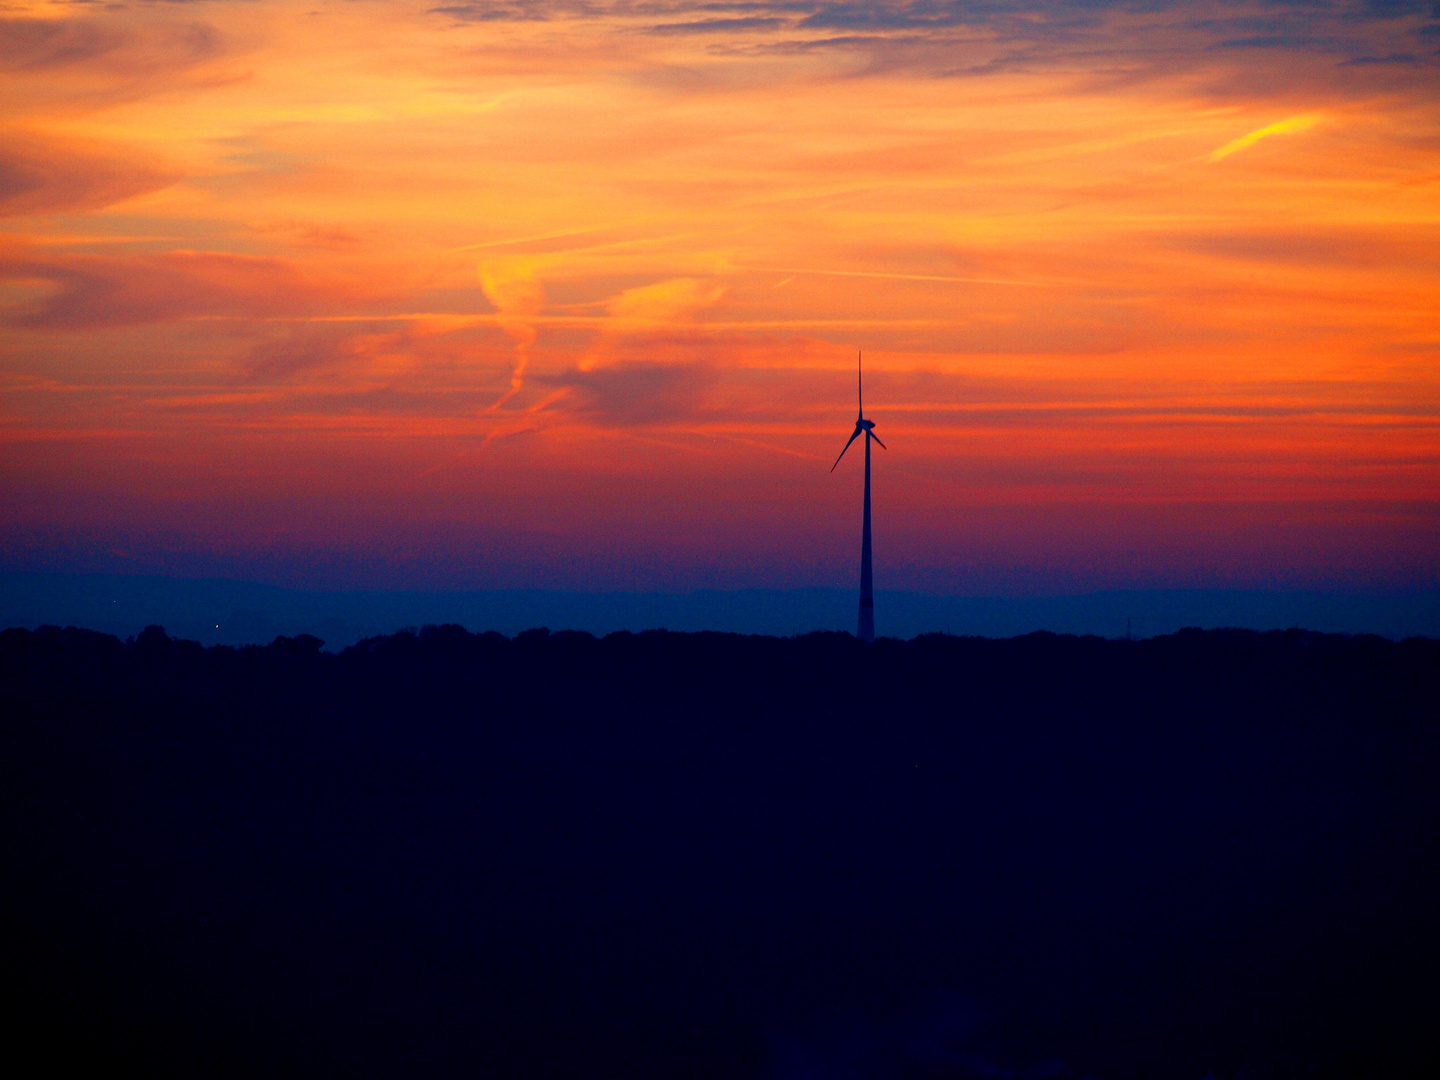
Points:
[(866, 631)]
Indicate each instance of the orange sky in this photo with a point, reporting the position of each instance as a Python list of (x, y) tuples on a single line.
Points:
[(568, 294)]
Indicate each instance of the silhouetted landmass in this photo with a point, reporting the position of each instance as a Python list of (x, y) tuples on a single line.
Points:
[(705, 855)]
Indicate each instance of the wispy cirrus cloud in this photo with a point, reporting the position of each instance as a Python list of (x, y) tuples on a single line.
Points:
[(1104, 26), (1409, 247), (44, 175), (1288, 126), (483, 11), (29, 44), (1236, 47), (512, 285), (312, 347), (638, 393), (742, 25), (92, 291), (37, 45), (100, 57)]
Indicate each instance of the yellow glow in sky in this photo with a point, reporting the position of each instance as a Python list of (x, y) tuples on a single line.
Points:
[(1281, 127)]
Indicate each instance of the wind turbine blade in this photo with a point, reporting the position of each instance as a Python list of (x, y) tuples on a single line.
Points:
[(860, 381), (847, 447), (877, 439)]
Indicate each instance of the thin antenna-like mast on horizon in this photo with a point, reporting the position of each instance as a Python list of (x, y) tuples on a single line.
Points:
[(865, 629)]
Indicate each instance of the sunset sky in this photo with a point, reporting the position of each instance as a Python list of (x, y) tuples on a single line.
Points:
[(568, 294)]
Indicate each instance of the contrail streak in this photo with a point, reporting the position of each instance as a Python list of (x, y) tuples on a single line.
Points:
[(1281, 127), (882, 274)]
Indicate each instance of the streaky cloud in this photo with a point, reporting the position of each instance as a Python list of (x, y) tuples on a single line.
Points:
[(1032, 34), (44, 175), (638, 393), (720, 26), (1289, 126), (92, 291), (482, 11), (38, 45)]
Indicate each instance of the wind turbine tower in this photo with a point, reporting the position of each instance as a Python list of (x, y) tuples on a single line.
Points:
[(866, 629)]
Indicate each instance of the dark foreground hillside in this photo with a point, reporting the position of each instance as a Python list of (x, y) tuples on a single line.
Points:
[(669, 855)]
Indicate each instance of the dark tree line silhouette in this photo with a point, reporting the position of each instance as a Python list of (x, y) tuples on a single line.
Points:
[(685, 855)]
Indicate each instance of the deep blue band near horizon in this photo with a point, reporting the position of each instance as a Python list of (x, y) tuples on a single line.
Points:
[(225, 611)]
